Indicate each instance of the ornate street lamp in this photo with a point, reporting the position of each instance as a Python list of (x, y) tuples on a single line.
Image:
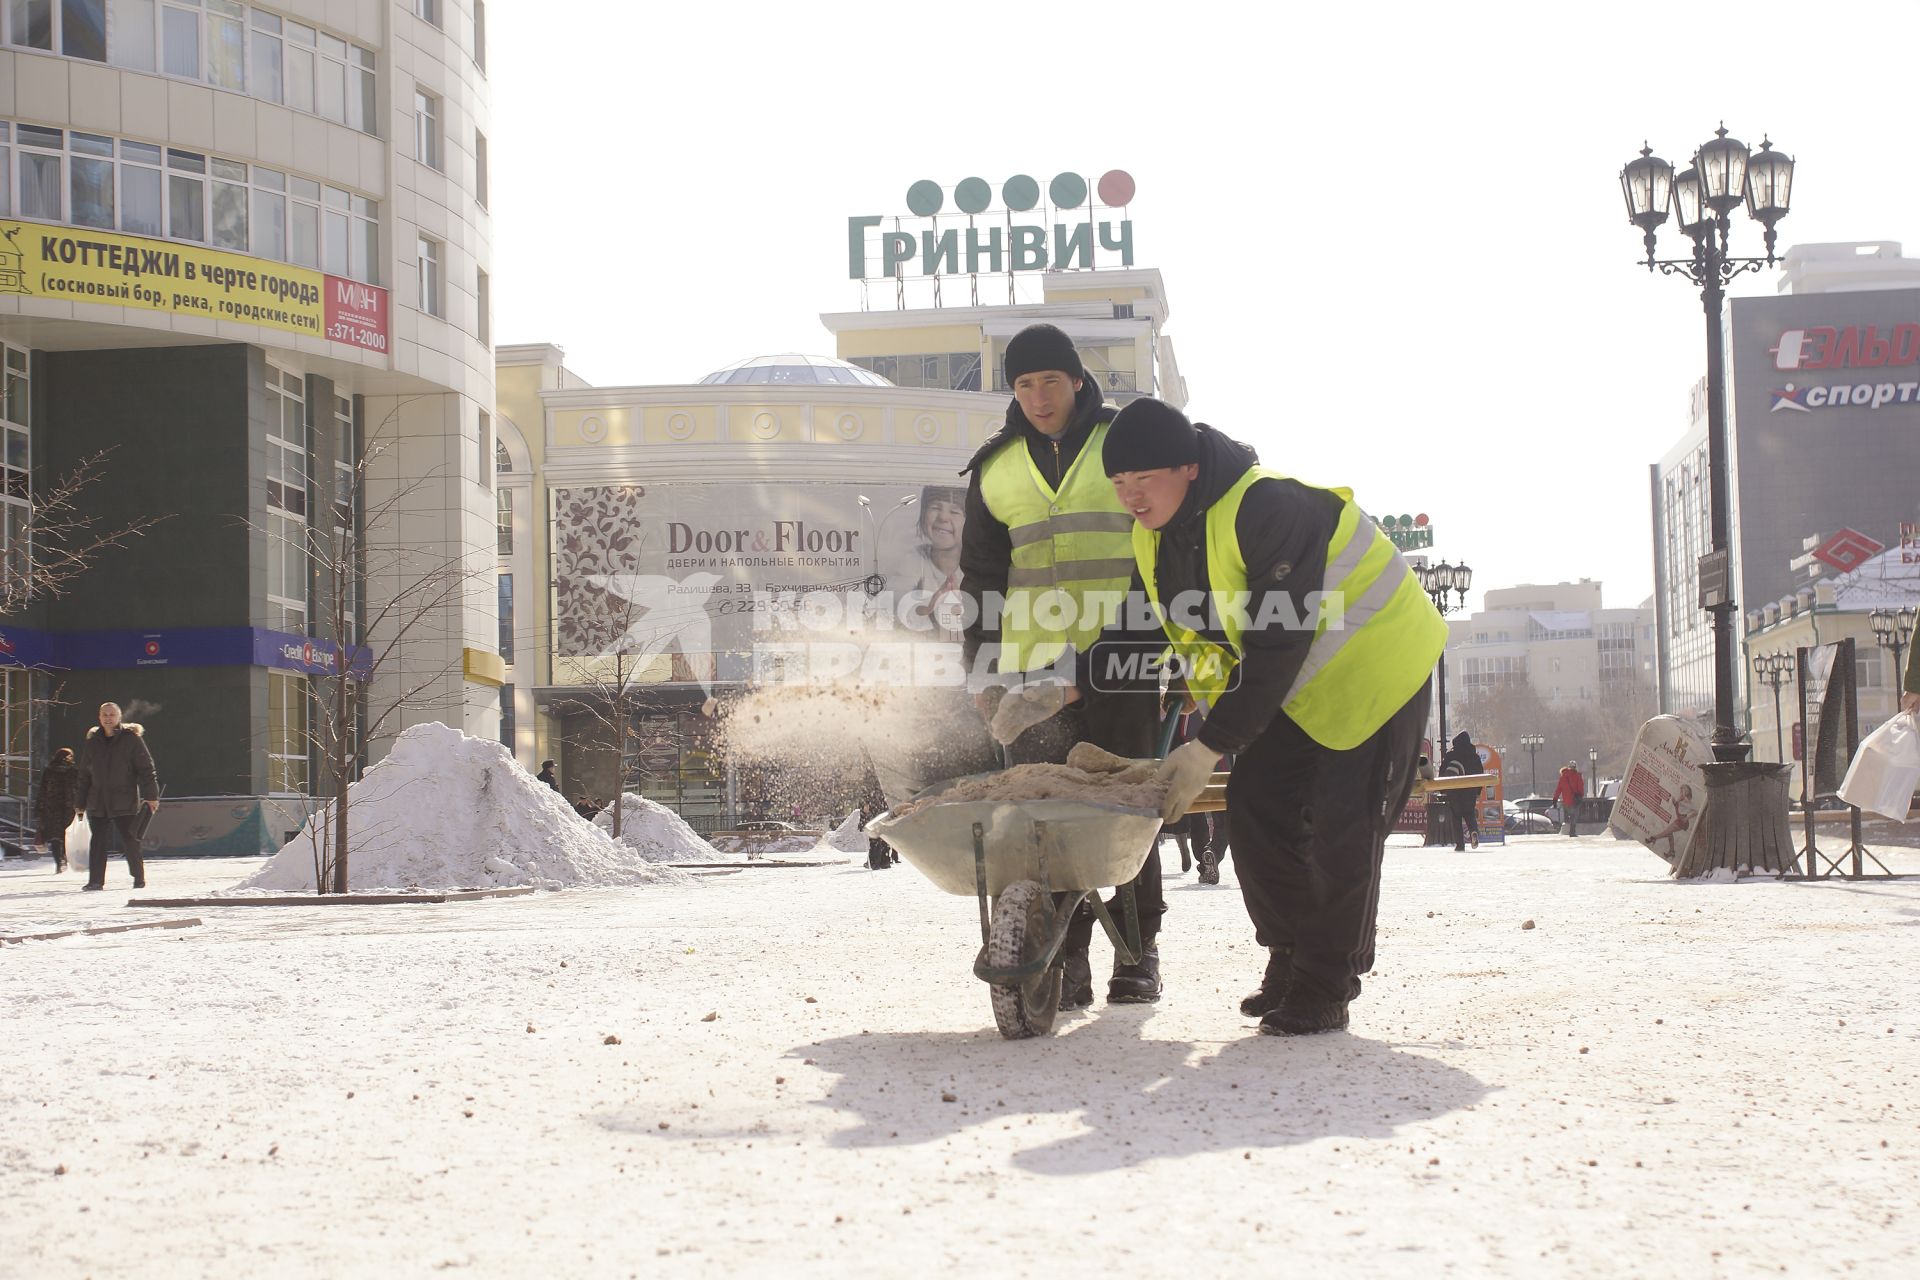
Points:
[(1532, 742), (1722, 176), (1776, 669), (1593, 772), (1891, 630), (1437, 580)]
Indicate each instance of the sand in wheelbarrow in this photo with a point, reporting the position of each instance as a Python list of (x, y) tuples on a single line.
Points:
[(1113, 780), (447, 811)]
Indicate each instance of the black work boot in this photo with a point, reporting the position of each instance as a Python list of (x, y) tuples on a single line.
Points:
[(1209, 867), (1076, 978), (1136, 983), (1308, 1010), (1273, 984)]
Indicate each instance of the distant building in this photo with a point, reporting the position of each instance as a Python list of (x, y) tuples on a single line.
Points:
[(1557, 639)]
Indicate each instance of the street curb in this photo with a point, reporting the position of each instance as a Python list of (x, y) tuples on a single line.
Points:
[(96, 932), (337, 899)]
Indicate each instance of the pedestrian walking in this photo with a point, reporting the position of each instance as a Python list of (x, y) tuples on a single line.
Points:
[(1045, 556), (1461, 760), (116, 780), (1567, 793), (1326, 721), (56, 804), (548, 776)]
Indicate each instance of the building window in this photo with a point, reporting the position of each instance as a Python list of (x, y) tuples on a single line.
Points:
[(426, 129), (226, 44), (502, 460), (503, 520), (506, 618), (77, 28), (484, 450), (16, 735), (287, 572), (480, 34), (480, 168), (429, 277), (287, 747), (92, 180), (269, 57), (16, 493), (483, 301), (506, 716), (427, 11)]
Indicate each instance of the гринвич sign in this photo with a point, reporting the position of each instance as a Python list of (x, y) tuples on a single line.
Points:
[(72, 264), (989, 247)]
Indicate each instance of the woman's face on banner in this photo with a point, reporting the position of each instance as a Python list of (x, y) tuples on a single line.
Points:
[(942, 522)]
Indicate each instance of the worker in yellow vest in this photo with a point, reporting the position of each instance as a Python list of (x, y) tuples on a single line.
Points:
[(1045, 559), (1308, 640)]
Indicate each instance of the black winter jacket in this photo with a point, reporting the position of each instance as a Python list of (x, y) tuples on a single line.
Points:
[(58, 799), (1283, 527), (986, 547), (116, 773)]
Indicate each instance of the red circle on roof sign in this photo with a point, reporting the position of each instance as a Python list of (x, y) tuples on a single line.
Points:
[(153, 647), (1420, 521), (1116, 187)]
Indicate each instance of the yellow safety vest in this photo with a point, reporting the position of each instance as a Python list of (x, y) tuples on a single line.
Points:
[(1072, 555), (1375, 640)]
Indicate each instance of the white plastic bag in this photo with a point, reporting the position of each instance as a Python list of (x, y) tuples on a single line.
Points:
[(1884, 773)]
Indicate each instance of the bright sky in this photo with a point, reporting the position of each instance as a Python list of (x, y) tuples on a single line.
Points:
[(1392, 234)]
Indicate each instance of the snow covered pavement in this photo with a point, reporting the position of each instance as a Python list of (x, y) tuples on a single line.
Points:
[(1656, 1079)]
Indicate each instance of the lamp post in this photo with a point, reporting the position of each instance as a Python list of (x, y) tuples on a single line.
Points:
[(1722, 175), (1891, 627), (1593, 772), (1775, 669), (1532, 742), (1436, 580), (875, 584)]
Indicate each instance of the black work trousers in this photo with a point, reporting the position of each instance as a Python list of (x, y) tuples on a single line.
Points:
[(98, 851), (1124, 724), (1310, 829)]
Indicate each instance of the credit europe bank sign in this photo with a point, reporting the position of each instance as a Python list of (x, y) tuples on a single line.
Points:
[(1067, 234)]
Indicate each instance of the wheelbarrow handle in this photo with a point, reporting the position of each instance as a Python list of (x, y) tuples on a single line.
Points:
[(1167, 727)]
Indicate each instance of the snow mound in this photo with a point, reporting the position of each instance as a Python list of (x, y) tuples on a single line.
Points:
[(446, 811), (655, 832), (847, 837)]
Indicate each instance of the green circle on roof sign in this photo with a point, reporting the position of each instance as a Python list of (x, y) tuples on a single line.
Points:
[(1068, 191), (924, 198), (973, 195), (1020, 192)]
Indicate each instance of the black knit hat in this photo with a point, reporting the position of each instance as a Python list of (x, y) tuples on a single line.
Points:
[(1042, 346), (1147, 435)]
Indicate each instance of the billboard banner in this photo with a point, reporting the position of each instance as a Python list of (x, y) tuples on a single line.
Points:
[(76, 265), (698, 578)]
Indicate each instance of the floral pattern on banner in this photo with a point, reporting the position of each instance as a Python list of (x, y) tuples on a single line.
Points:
[(596, 531)]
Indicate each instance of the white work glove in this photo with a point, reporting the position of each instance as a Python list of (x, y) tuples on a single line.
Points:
[(1186, 773), (987, 701), (1026, 707)]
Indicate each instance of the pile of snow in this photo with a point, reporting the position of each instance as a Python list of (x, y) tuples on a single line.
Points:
[(656, 832), (845, 838), (446, 811)]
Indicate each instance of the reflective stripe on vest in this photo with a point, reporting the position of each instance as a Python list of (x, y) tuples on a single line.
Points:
[(1072, 552), (1376, 634)]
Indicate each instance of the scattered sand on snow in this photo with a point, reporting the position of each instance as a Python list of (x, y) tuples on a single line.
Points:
[(446, 811)]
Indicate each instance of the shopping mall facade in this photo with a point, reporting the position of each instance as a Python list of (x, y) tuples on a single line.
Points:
[(642, 530), (241, 247)]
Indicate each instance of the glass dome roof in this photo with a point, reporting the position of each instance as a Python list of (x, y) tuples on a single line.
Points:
[(796, 369)]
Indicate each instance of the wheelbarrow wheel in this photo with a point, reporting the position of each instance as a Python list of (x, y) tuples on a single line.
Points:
[(1018, 932)]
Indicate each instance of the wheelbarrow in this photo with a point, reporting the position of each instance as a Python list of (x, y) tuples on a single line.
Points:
[(1030, 864)]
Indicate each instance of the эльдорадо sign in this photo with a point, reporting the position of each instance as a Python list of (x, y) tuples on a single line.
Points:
[(74, 265)]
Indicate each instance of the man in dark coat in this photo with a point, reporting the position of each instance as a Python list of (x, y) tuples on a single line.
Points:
[(1463, 760), (546, 775), (56, 803), (116, 779)]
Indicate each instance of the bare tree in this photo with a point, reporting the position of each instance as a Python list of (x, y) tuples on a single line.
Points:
[(64, 537), (362, 543)]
